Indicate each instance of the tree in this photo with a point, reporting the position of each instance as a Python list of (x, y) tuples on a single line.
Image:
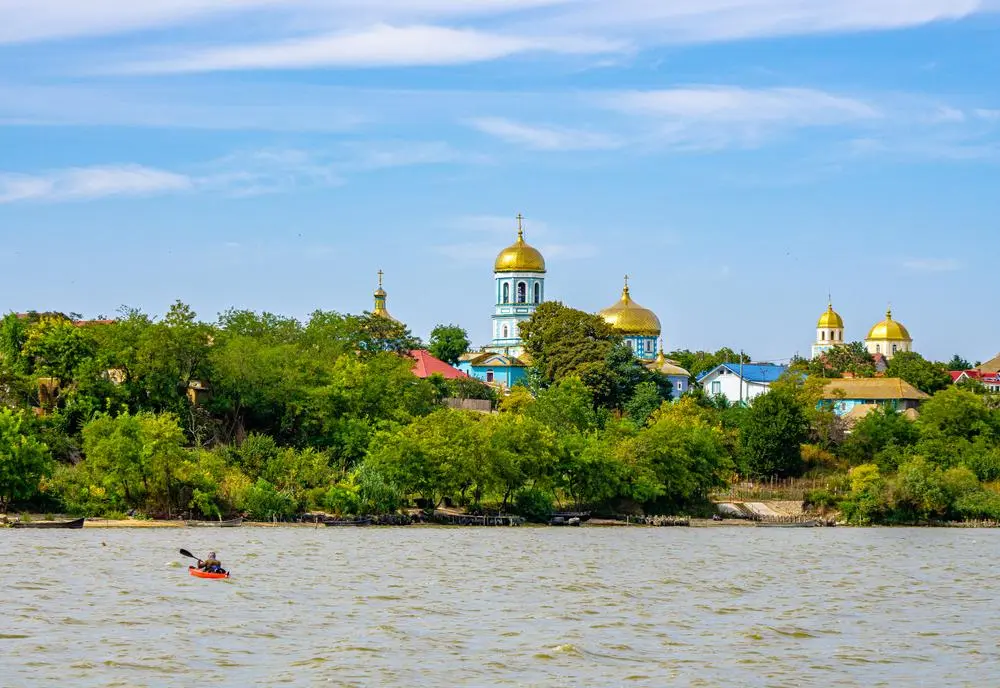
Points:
[(958, 363), (563, 341), (847, 358), (878, 431), (926, 376), (956, 414), (772, 435), (448, 343), (24, 461)]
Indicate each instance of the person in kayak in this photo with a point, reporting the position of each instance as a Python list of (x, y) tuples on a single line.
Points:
[(210, 564)]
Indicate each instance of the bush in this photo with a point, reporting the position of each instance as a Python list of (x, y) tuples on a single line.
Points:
[(820, 499), (263, 501), (342, 499), (534, 504)]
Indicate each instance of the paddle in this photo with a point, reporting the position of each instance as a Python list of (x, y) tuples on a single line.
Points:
[(185, 553)]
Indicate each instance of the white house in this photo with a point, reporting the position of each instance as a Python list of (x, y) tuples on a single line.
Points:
[(740, 382)]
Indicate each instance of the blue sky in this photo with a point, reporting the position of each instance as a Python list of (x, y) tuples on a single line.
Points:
[(738, 158)]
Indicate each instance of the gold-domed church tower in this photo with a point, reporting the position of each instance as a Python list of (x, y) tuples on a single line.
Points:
[(519, 275), (380, 298), (888, 337), (829, 331), (638, 326)]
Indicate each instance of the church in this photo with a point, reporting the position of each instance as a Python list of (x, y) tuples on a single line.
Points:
[(885, 339), (519, 287)]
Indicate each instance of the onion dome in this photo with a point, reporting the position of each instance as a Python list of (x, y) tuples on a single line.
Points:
[(889, 330), (663, 365), (519, 257), (830, 320), (380, 297), (629, 318)]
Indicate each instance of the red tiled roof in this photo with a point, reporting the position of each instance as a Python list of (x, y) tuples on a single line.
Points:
[(425, 365)]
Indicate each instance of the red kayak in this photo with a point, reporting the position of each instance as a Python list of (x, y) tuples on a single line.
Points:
[(198, 573)]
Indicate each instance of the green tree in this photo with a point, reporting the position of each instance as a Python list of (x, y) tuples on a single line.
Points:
[(563, 341), (24, 461), (772, 435), (924, 375), (880, 430), (448, 342), (958, 363)]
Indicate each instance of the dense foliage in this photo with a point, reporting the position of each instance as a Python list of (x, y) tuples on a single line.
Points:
[(269, 417)]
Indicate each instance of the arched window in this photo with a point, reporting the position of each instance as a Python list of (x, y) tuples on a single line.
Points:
[(538, 292), (522, 292), (822, 336), (506, 293), (893, 349), (878, 348), (505, 332)]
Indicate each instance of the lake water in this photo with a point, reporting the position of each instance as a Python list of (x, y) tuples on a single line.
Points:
[(502, 607)]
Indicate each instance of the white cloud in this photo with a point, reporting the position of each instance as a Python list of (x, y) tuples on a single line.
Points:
[(243, 173), (795, 106), (544, 138), (667, 21), (378, 46), (85, 183), (932, 264)]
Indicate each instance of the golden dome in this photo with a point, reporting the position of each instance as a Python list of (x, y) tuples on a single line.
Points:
[(628, 317), (519, 257), (830, 320), (889, 330), (380, 299), (663, 365)]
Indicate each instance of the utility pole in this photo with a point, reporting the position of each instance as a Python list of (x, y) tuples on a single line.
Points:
[(741, 377)]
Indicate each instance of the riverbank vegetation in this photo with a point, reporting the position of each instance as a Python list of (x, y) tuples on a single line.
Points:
[(266, 416)]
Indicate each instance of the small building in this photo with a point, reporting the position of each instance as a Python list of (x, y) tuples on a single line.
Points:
[(740, 383), (425, 365), (680, 379), (501, 370), (843, 396), (991, 381)]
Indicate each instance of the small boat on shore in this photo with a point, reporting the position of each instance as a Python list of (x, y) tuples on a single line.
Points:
[(198, 573), (72, 525), (348, 522), (231, 523)]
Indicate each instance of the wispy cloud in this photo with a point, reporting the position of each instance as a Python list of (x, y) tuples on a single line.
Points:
[(932, 264), (544, 137), (379, 46), (243, 173), (676, 21), (86, 183)]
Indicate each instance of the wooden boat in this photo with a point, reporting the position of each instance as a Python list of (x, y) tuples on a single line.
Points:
[(231, 523), (352, 522), (74, 524), (562, 521), (792, 524)]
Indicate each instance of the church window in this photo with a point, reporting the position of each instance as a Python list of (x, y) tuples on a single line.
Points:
[(489, 376), (522, 290), (506, 293), (878, 348), (894, 349), (538, 292), (822, 336), (505, 332)]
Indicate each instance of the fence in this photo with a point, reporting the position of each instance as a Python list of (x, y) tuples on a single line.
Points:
[(773, 489)]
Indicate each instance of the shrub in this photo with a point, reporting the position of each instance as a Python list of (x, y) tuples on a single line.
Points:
[(820, 499), (534, 504), (263, 501), (342, 499)]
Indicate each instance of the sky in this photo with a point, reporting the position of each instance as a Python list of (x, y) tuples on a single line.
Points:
[(740, 160)]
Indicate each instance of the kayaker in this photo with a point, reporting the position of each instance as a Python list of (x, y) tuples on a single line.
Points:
[(210, 564)]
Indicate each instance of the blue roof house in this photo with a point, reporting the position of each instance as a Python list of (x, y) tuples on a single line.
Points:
[(740, 383)]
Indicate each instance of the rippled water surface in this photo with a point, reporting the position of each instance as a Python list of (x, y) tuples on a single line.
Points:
[(502, 607)]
